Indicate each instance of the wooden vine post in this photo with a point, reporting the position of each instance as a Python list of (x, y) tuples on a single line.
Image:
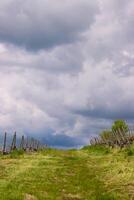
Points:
[(30, 144), (22, 143), (13, 145), (4, 145), (26, 144)]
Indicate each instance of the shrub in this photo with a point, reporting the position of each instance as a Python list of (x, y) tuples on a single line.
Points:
[(119, 124), (97, 149), (16, 153)]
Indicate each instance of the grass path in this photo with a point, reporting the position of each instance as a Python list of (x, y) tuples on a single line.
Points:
[(66, 175)]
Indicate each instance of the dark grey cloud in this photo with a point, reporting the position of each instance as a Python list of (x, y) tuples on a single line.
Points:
[(104, 113), (62, 141), (43, 24)]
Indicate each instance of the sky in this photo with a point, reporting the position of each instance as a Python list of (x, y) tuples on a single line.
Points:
[(66, 68)]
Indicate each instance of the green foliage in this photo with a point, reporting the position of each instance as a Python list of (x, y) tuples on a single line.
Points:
[(16, 153), (89, 173), (106, 135), (119, 124), (129, 151), (54, 174), (105, 197), (97, 149)]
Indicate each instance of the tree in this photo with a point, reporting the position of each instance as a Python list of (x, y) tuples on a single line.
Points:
[(106, 135), (120, 125)]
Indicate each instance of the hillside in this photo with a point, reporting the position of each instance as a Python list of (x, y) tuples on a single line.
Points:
[(93, 173)]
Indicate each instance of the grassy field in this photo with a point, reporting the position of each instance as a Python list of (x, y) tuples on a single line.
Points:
[(88, 174)]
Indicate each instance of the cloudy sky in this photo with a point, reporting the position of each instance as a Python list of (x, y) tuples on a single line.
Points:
[(66, 67)]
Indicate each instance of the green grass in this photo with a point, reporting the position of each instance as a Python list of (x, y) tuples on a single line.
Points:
[(92, 173)]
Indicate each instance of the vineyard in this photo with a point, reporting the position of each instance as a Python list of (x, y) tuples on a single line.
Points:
[(21, 143), (103, 170), (120, 135)]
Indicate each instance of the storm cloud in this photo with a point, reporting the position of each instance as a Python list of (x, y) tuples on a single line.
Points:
[(44, 24), (66, 68)]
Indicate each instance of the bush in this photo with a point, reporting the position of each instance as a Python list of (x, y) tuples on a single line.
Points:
[(119, 124), (129, 151), (97, 149), (16, 153)]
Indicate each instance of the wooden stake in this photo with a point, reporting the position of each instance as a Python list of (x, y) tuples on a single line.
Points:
[(13, 145), (4, 145), (22, 143)]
